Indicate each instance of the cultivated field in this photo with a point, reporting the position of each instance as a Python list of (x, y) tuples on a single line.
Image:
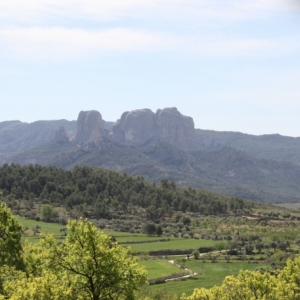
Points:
[(211, 274)]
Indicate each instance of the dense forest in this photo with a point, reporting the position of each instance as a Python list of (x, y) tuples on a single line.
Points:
[(108, 191)]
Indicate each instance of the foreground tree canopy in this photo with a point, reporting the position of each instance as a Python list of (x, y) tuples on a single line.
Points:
[(10, 239), (86, 265)]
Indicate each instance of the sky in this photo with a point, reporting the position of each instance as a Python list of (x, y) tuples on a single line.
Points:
[(230, 65)]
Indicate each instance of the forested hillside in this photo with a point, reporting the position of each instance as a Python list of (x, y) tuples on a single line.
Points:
[(226, 171), (108, 191)]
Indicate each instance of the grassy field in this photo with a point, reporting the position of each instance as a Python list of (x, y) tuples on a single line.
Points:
[(138, 238), (154, 245), (46, 228), (159, 268), (180, 244), (295, 206), (211, 274)]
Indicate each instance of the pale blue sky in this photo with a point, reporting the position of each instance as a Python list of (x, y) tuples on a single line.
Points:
[(231, 65)]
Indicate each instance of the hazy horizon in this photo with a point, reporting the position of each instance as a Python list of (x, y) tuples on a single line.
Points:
[(230, 65)]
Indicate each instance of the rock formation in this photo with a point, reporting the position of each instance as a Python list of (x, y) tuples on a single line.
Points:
[(60, 136), (136, 127), (90, 127), (176, 129), (141, 127)]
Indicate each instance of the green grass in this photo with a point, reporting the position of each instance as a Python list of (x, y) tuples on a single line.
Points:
[(180, 244), (140, 238), (53, 228), (294, 206), (211, 274), (122, 234), (173, 243), (46, 228), (158, 268)]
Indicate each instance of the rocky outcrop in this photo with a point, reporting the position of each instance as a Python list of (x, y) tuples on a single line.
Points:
[(136, 127), (60, 136), (176, 129), (141, 127), (90, 127)]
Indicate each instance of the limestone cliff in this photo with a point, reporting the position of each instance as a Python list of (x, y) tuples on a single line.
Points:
[(90, 127), (176, 129), (136, 127), (141, 127)]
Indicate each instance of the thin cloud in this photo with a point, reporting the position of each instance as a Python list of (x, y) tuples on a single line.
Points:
[(63, 43), (112, 10), (34, 37)]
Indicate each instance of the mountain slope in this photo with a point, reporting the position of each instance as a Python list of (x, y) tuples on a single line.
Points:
[(269, 146), (162, 145), (17, 137), (228, 171)]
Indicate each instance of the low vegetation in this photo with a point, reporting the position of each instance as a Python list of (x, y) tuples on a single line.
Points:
[(181, 249)]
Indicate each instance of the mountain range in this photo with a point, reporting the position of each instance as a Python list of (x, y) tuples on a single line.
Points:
[(159, 145)]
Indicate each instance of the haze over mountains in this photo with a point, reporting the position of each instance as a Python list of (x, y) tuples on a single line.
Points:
[(161, 145)]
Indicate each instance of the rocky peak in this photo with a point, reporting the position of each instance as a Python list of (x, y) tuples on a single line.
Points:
[(136, 127), (90, 127), (142, 126), (176, 129), (60, 136)]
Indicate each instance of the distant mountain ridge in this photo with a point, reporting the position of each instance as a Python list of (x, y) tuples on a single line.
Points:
[(268, 146), (162, 145)]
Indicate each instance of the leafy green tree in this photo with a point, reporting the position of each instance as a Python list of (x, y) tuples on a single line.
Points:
[(48, 286), (150, 229), (35, 187), (159, 230), (259, 247), (97, 267), (87, 265), (249, 249), (196, 254), (48, 212), (220, 246), (10, 239)]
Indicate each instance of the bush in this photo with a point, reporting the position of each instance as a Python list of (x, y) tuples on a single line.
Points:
[(196, 254)]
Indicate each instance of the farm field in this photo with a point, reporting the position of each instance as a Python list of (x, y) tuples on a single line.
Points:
[(53, 228), (293, 206), (46, 228), (211, 274), (138, 238), (158, 268), (123, 237), (176, 243)]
